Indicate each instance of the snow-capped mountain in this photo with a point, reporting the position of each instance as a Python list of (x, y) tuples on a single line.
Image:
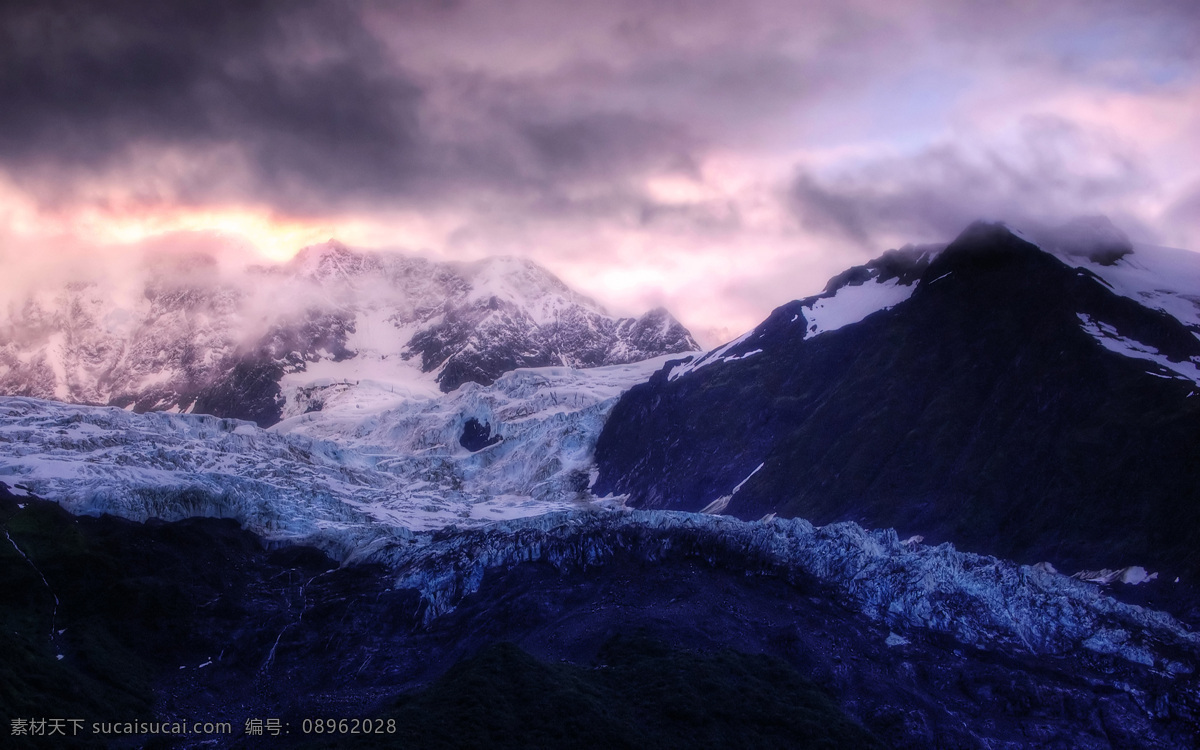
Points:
[(1038, 405), (261, 344), (936, 389)]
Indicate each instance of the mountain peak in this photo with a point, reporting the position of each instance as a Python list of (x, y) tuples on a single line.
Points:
[(984, 246), (520, 280), (980, 232), (995, 402), (1092, 237), (332, 260)]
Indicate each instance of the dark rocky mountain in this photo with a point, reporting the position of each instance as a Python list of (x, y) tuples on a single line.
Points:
[(596, 630), (477, 343), (240, 345), (1006, 401)]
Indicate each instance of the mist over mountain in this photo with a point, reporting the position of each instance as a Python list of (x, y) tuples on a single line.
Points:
[(239, 344)]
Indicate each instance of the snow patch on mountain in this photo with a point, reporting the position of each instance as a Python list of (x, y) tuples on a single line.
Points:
[(721, 503), (1161, 278), (1133, 575), (852, 303), (697, 361), (848, 298), (1112, 340)]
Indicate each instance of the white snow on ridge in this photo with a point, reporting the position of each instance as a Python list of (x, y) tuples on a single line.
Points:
[(851, 304), (721, 503), (747, 355), (704, 360), (1161, 278), (1110, 339), (525, 284), (345, 480)]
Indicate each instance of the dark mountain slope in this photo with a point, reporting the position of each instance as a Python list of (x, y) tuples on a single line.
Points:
[(979, 411), (641, 693)]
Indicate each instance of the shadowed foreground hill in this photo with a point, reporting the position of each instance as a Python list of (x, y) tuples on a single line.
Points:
[(623, 630)]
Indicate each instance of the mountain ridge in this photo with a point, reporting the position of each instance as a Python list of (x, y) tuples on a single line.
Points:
[(240, 345)]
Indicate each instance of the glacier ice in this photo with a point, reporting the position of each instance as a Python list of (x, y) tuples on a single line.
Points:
[(342, 480), (397, 489), (976, 599)]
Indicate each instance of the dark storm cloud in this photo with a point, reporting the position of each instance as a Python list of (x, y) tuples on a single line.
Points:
[(605, 144), (295, 103), (1052, 171), (317, 105), (300, 95)]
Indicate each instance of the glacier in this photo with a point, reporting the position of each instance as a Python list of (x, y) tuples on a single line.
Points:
[(978, 600), (395, 487), (341, 479)]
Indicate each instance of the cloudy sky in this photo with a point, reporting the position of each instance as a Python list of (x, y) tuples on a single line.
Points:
[(719, 158)]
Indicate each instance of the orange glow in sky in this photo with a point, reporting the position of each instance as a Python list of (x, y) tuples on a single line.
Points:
[(271, 236)]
